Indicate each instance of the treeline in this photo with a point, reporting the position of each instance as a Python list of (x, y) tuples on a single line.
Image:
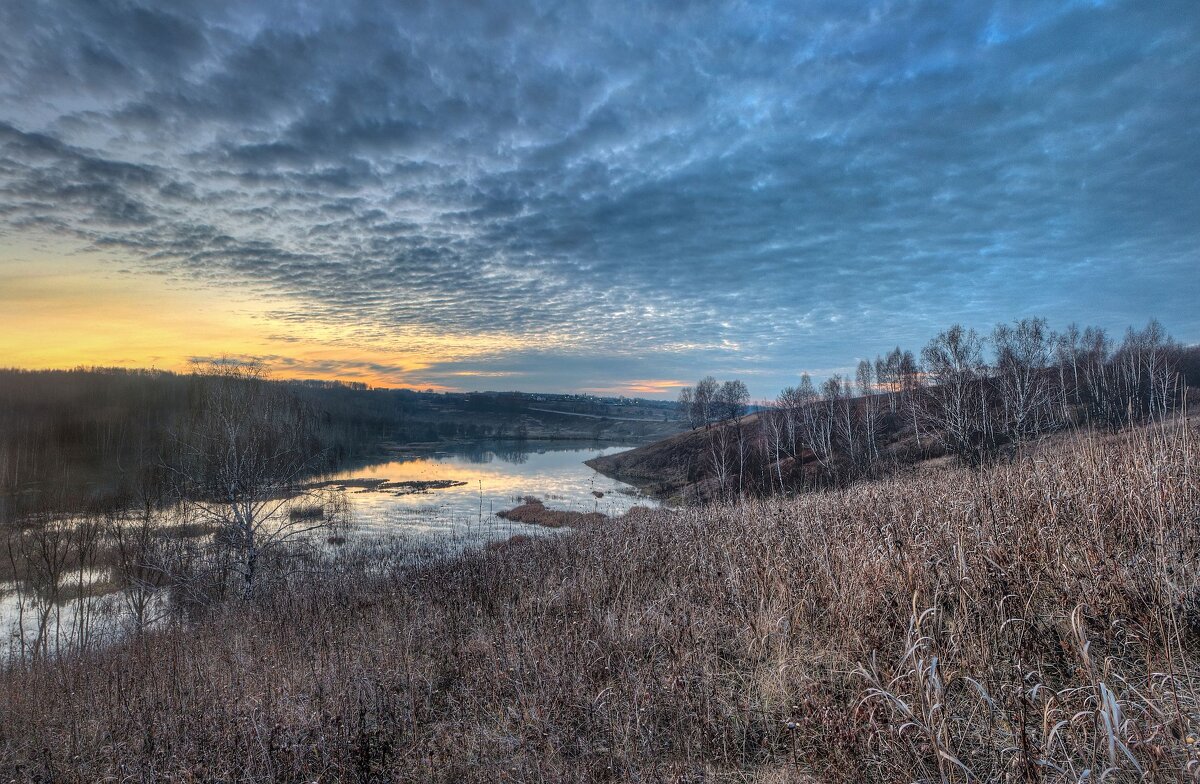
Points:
[(974, 396), (356, 418), (69, 434), (91, 436), (710, 402), (95, 436)]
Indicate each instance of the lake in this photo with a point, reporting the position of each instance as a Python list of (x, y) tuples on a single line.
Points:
[(485, 478), (494, 477)]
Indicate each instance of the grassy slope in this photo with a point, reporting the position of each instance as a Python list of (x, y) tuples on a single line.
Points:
[(666, 467), (1024, 622)]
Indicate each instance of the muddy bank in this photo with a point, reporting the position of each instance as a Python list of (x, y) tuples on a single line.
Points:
[(410, 487)]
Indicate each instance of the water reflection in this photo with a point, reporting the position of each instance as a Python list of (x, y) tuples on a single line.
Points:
[(493, 477), (435, 503), (511, 452)]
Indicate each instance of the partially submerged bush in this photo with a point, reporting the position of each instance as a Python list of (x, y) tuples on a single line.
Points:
[(307, 512)]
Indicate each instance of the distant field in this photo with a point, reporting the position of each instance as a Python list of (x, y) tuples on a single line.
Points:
[(596, 416)]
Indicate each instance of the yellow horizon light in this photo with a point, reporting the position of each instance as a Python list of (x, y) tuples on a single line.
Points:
[(64, 312)]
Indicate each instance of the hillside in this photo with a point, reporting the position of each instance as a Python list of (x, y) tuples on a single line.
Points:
[(834, 441), (670, 467), (1020, 622), (680, 467)]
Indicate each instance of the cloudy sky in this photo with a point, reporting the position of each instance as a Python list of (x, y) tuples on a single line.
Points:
[(599, 196)]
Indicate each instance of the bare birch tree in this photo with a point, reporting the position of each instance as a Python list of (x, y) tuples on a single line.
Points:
[(1024, 382), (955, 404), (817, 423), (869, 413)]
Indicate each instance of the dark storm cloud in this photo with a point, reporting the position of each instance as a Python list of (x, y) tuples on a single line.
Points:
[(746, 188)]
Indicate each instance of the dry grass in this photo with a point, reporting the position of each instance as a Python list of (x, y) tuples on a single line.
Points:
[(1034, 621), (534, 512)]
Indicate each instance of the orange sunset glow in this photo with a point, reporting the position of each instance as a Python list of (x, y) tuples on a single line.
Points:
[(62, 310)]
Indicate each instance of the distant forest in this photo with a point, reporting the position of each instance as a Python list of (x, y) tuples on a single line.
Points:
[(72, 438)]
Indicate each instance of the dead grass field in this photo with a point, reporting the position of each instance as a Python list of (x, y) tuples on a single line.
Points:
[(1030, 621)]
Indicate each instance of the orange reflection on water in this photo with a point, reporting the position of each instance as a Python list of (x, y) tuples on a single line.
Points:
[(495, 478)]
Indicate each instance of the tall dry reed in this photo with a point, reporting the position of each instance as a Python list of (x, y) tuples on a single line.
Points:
[(1031, 621)]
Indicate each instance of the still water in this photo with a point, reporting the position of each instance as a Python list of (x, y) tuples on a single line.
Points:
[(489, 477), (483, 479)]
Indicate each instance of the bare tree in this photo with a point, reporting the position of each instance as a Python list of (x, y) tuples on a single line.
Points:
[(1145, 372), (839, 400), (838, 391), (138, 567), (956, 405), (41, 559), (720, 460), (687, 407), (704, 399), (775, 425), (817, 422), (732, 400), (911, 381), (241, 463), (888, 375), (1066, 356), (55, 562), (1024, 383), (1097, 392), (869, 413), (792, 402), (1135, 382)]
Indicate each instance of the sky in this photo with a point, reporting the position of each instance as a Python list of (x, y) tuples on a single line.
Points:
[(601, 196)]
